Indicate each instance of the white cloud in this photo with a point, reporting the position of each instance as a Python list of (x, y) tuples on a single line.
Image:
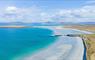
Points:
[(15, 14), (35, 14), (83, 14)]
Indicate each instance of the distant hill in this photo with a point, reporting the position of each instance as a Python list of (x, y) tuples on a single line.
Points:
[(87, 23), (48, 23)]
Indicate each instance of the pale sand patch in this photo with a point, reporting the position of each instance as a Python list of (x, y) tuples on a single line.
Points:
[(12, 26), (93, 56), (59, 51)]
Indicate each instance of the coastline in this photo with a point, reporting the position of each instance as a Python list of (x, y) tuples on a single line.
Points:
[(52, 52), (89, 41), (57, 31), (13, 26), (59, 51)]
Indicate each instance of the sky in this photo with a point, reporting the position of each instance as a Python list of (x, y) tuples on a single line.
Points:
[(47, 11)]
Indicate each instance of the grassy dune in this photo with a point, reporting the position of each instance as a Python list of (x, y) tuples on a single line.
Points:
[(83, 27), (90, 45)]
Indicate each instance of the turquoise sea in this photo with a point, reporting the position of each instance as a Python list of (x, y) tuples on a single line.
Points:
[(18, 41)]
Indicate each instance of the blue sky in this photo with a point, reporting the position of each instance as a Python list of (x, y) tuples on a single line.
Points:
[(48, 4), (47, 10)]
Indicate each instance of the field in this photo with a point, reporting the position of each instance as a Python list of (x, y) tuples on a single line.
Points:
[(90, 28), (90, 45)]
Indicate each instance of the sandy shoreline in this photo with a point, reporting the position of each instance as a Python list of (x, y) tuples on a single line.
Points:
[(89, 39), (64, 48), (60, 50), (13, 26)]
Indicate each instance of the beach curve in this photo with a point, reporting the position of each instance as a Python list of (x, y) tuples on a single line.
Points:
[(60, 50)]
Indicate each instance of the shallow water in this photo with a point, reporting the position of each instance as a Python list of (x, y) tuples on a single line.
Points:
[(17, 41)]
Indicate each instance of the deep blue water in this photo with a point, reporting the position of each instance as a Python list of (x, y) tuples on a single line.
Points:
[(16, 41)]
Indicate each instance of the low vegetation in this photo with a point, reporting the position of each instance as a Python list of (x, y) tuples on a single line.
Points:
[(89, 40)]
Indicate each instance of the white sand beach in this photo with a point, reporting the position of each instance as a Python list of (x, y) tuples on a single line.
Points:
[(65, 48), (59, 51)]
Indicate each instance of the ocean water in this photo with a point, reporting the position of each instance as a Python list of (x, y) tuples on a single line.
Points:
[(18, 41)]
